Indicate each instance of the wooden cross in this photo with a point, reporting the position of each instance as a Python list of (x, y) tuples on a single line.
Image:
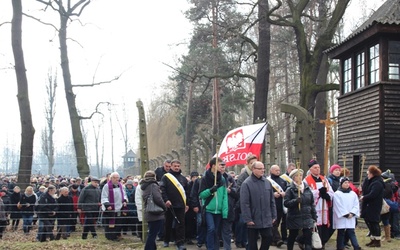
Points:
[(328, 126)]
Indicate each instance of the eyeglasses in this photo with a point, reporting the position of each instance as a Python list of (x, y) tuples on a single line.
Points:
[(260, 168)]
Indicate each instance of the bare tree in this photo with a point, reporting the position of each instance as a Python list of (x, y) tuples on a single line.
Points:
[(96, 131), (311, 44), (123, 125), (66, 12), (50, 111), (112, 137), (27, 129)]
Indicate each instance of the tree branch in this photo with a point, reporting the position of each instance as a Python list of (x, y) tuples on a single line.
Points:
[(40, 21), (94, 112), (98, 83)]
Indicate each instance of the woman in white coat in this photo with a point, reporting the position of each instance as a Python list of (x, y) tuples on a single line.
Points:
[(139, 208), (346, 209)]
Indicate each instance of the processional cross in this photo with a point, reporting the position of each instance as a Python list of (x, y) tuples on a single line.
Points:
[(328, 127)]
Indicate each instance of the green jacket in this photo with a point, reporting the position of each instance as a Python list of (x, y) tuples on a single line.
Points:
[(219, 203)]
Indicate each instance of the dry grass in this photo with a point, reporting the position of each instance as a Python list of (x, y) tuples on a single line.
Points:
[(18, 241), (363, 239)]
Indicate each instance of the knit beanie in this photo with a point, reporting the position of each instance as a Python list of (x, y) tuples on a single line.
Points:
[(343, 179), (334, 167)]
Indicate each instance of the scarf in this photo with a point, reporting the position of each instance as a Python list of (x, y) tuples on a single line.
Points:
[(111, 197), (301, 186), (345, 190), (28, 195)]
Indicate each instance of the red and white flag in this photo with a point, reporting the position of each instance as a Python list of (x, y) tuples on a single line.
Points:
[(240, 142)]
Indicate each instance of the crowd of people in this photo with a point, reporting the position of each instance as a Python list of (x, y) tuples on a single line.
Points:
[(215, 209), (57, 204)]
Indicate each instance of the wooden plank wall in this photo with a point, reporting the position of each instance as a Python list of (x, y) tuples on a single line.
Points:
[(358, 126), (391, 113), (369, 123)]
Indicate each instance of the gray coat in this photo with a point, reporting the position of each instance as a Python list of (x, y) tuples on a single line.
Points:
[(89, 199), (257, 202), (149, 187), (306, 216)]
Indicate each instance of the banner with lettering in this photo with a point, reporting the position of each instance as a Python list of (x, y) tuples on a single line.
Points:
[(240, 142)]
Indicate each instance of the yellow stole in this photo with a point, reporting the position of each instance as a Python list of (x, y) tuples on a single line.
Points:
[(286, 178), (178, 186)]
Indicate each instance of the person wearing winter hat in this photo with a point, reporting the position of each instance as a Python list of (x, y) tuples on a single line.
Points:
[(301, 214), (346, 208), (89, 203), (131, 213), (149, 186), (345, 172), (334, 176), (135, 182), (372, 197), (323, 195), (334, 181)]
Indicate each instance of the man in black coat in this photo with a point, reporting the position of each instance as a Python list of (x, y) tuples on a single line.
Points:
[(162, 170), (194, 202), (47, 208), (191, 216), (174, 188), (64, 213), (279, 186), (89, 203)]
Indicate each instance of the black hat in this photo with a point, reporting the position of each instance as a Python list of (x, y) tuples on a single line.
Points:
[(312, 163), (343, 179), (193, 174), (75, 186)]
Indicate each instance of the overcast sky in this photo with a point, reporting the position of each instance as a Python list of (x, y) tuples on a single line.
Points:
[(130, 36), (120, 36)]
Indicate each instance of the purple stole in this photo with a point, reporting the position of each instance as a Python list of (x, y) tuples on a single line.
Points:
[(111, 199)]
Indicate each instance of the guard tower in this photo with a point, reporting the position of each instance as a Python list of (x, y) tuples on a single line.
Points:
[(369, 102), (130, 165)]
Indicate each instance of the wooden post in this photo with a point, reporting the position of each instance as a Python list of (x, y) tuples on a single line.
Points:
[(362, 167), (328, 125), (144, 157), (298, 189), (216, 164)]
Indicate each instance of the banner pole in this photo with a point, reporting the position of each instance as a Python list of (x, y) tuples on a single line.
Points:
[(216, 164)]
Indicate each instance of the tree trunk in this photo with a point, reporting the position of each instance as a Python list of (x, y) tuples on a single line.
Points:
[(188, 129), (48, 133), (81, 159), (310, 61), (216, 108), (27, 129), (320, 114), (263, 64)]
